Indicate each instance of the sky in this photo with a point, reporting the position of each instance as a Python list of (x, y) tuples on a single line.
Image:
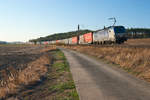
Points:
[(22, 20)]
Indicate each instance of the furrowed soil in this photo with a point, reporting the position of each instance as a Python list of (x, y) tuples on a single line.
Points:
[(29, 72), (133, 56)]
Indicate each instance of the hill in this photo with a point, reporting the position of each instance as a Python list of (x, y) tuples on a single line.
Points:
[(58, 36), (3, 42)]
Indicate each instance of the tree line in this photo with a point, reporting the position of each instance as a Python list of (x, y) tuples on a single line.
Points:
[(3, 42), (138, 33)]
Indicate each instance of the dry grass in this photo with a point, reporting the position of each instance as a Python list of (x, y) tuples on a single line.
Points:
[(12, 78), (48, 48), (30, 74), (133, 60), (144, 41)]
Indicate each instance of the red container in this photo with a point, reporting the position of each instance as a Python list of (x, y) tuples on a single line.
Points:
[(57, 41), (88, 37), (74, 40), (46, 42)]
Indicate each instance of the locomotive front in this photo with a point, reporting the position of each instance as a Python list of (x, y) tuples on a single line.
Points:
[(120, 34)]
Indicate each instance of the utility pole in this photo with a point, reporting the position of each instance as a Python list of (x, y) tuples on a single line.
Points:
[(78, 34), (78, 27)]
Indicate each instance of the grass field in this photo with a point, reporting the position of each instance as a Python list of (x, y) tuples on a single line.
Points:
[(135, 60)]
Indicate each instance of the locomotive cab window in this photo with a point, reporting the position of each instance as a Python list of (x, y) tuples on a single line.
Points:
[(119, 29)]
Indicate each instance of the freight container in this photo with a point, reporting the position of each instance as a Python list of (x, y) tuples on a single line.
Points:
[(66, 41), (63, 41), (74, 40), (45, 42), (81, 39), (38, 43), (49, 42), (57, 41), (54, 42), (88, 38), (70, 40)]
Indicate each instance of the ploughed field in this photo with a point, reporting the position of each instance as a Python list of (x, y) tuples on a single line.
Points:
[(34, 72), (14, 63), (133, 56), (17, 56)]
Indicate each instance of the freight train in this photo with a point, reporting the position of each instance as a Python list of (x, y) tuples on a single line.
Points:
[(109, 35)]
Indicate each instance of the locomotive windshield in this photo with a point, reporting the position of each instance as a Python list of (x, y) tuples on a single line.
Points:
[(119, 29)]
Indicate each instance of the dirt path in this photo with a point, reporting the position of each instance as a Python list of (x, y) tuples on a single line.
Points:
[(98, 81)]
